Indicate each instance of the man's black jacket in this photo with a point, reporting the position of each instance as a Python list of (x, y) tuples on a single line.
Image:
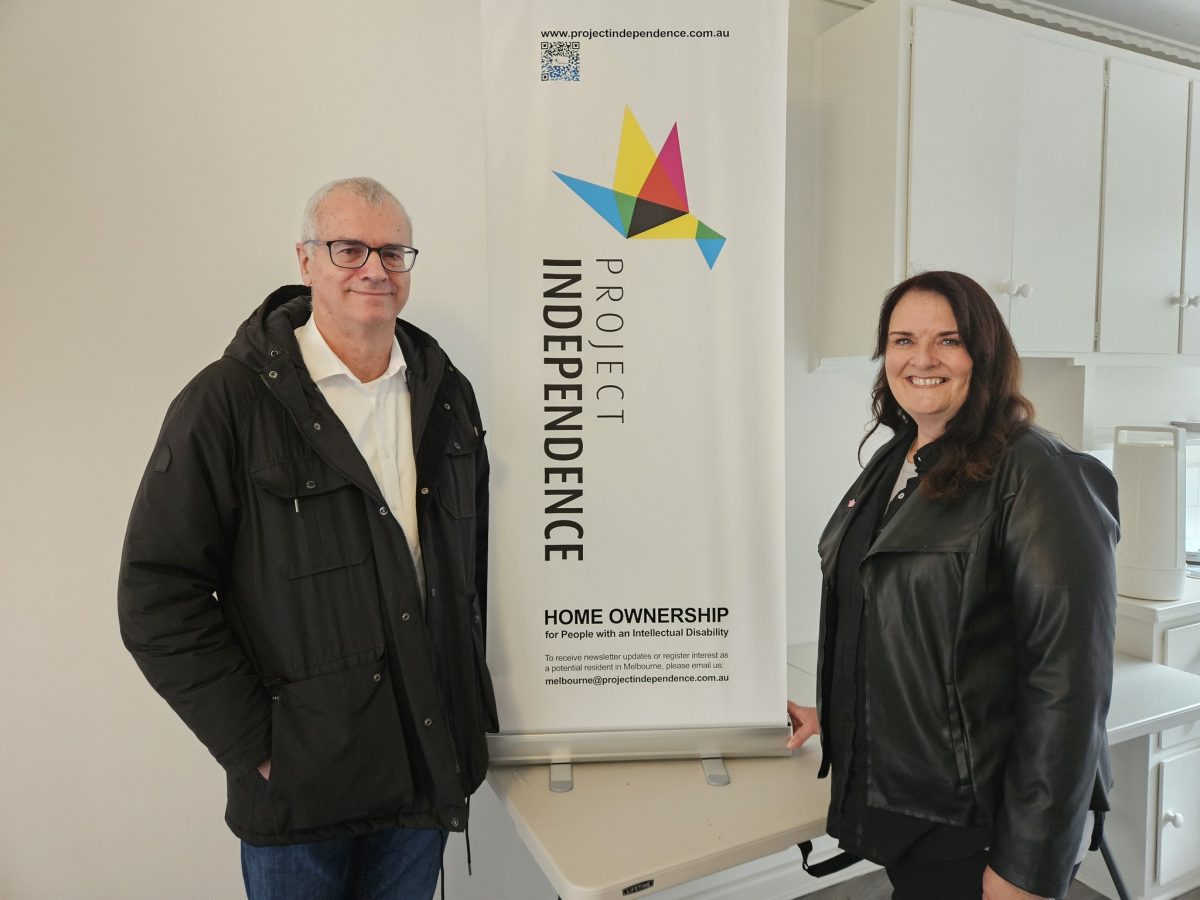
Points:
[(269, 595)]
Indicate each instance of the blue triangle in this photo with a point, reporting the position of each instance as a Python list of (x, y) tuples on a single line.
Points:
[(711, 248), (603, 200)]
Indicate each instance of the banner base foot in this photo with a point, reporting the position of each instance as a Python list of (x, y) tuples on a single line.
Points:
[(715, 772), (561, 779)]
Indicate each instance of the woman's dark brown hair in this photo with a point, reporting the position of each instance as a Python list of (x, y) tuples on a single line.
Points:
[(994, 412)]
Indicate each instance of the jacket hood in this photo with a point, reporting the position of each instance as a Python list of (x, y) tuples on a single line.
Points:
[(272, 325), (254, 340)]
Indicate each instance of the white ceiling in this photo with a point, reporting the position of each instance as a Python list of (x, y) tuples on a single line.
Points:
[(1174, 20), (1169, 29)]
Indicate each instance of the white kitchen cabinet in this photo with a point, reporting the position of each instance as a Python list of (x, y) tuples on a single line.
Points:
[(1004, 171), (962, 147), (1061, 173), (1154, 826), (1145, 164), (1189, 326), (1179, 816), (979, 152), (1056, 217)]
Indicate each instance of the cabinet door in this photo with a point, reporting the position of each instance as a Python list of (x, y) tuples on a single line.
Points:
[(1056, 221), (1179, 795), (962, 147), (1144, 176), (1004, 171), (1189, 337)]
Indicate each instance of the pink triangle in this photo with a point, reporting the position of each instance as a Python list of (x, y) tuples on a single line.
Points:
[(671, 162)]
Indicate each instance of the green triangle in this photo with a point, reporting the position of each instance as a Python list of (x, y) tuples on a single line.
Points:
[(625, 204), (703, 232)]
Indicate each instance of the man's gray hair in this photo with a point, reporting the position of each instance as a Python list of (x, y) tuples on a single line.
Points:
[(367, 189)]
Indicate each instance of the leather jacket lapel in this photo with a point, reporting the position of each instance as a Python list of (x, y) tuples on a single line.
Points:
[(831, 539)]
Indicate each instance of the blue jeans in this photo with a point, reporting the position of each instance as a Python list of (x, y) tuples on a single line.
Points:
[(397, 864)]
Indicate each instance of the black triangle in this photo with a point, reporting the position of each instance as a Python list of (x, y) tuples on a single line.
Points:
[(647, 215)]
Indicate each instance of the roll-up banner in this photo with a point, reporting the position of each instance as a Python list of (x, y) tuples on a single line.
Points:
[(635, 170)]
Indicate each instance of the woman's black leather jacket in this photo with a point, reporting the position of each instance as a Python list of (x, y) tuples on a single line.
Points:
[(988, 641)]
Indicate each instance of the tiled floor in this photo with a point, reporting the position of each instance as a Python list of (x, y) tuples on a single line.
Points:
[(876, 887)]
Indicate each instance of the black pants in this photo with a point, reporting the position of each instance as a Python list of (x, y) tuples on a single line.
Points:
[(941, 879)]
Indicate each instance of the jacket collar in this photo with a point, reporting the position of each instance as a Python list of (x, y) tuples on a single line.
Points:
[(266, 343), (927, 457), (867, 481), (270, 328), (923, 525), (919, 525)]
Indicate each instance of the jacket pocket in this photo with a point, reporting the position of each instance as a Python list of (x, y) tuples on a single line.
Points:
[(457, 481), (337, 749), (478, 712), (958, 740), (314, 516), (248, 807)]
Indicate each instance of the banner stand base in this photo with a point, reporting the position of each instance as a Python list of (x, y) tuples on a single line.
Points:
[(561, 778), (715, 772), (509, 749)]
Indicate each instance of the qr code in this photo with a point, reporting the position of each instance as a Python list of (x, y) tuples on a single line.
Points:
[(560, 60)]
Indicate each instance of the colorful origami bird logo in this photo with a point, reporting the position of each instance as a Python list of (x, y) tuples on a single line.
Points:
[(648, 198)]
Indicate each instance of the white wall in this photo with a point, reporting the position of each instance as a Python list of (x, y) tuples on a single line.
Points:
[(1136, 395), (826, 410), (154, 158)]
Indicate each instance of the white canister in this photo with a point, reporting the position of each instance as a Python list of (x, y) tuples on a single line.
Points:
[(1148, 462)]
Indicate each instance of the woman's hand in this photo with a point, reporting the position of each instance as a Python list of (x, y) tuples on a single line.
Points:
[(804, 724), (996, 888)]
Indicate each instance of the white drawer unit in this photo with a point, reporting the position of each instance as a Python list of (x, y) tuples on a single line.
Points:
[(1181, 650), (1154, 826)]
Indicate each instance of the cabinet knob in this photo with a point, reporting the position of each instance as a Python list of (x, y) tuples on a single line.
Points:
[(1008, 288), (1194, 301), (1174, 818), (1025, 290), (1179, 301)]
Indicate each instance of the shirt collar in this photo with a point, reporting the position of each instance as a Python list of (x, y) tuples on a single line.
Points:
[(927, 457), (323, 363)]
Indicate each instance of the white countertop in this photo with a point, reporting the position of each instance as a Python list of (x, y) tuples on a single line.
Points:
[(1163, 610), (1146, 697), (625, 823)]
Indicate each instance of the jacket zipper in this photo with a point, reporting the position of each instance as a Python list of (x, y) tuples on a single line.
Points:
[(411, 558)]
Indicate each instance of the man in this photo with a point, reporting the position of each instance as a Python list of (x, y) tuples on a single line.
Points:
[(305, 569)]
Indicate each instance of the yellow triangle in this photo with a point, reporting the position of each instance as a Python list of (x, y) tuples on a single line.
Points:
[(683, 227), (635, 157)]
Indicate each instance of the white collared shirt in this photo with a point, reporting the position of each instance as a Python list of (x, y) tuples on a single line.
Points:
[(378, 416)]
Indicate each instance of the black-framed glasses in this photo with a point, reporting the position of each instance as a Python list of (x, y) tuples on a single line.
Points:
[(354, 254)]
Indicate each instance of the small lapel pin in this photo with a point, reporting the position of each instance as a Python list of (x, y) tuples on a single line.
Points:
[(851, 503)]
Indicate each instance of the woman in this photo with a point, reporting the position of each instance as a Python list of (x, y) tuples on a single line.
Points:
[(967, 619)]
